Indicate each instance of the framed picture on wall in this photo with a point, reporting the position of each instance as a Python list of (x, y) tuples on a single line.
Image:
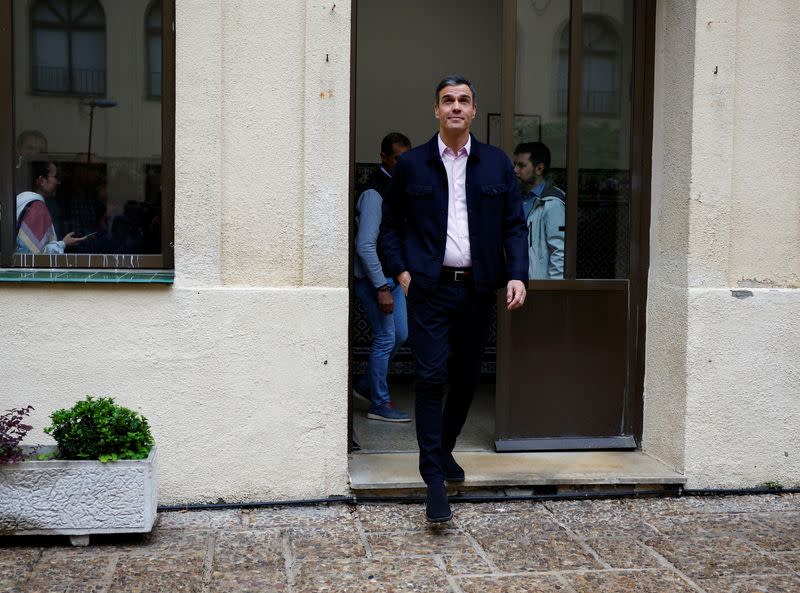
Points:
[(527, 128)]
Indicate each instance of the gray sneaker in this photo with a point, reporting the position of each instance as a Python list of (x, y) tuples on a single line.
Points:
[(388, 414)]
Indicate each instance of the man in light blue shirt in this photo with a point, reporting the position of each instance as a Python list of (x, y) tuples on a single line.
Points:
[(381, 297), (544, 206)]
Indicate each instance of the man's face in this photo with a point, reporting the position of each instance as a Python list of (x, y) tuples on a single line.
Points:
[(389, 161), (32, 146), (455, 109), (527, 173), (48, 185)]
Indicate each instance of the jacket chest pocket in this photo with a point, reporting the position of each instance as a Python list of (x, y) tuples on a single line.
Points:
[(496, 190), (417, 191)]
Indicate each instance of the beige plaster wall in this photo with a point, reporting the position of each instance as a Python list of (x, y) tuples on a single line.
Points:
[(743, 410), (722, 348), (246, 398), (667, 324), (241, 366)]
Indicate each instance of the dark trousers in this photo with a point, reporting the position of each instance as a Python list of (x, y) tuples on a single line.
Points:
[(447, 324)]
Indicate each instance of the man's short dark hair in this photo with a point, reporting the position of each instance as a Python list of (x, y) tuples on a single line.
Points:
[(392, 138), (538, 151), (39, 169), (454, 81)]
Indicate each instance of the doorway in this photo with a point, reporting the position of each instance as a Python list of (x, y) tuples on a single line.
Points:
[(567, 372)]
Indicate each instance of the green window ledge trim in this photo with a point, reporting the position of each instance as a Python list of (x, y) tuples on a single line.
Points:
[(88, 276)]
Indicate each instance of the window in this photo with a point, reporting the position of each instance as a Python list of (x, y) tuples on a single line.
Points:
[(600, 66), (153, 40), (90, 178), (68, 41)]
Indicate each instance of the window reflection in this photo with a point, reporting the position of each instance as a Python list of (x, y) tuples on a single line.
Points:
[(154, 49), (102, 143), (604, 179), (600, 68), (68, 40), (540, 162), (544, 205)]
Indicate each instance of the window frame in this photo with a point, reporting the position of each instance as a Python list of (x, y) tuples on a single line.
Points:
[(69, 29), (131, 267)]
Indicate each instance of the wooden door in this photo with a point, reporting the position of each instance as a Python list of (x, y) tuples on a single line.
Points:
[(570, 363)]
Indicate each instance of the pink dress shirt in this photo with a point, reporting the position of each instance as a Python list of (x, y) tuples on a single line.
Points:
[(456, 251)]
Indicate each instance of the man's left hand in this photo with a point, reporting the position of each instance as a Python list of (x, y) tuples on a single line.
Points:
[(515, 294)]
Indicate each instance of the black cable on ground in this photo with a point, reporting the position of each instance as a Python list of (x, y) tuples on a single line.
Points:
[(478, 498)]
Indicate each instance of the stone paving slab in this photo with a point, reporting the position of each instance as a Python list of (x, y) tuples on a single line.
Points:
[(734, 544)]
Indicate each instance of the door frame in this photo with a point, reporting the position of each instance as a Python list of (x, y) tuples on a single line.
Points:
[(641, 171)]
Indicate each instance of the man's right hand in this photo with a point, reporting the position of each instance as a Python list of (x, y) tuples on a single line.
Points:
[(70, 239), (404, 280), (385, 301)]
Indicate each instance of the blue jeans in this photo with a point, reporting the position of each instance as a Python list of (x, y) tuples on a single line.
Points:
[(389, 332)]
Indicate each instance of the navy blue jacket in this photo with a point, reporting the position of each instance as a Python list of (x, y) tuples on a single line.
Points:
[(414, 223)]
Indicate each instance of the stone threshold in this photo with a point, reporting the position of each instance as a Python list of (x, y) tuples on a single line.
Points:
[(380, 472)]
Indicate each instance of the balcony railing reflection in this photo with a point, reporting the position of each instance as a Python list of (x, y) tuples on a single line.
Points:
[(155, 84), (78, 81), (592, 103)]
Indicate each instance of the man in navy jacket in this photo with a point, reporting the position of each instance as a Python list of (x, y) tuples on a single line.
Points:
[(452, 233)]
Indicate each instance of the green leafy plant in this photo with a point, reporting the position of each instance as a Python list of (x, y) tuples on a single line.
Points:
[(12, 431), (100, 429), (773, 485)]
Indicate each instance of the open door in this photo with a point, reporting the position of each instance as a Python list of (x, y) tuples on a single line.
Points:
[(569, 370)]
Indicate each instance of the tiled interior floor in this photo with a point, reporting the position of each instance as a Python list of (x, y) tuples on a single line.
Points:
[(376, 436)]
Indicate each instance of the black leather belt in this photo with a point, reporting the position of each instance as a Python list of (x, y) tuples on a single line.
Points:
[(456, 274)]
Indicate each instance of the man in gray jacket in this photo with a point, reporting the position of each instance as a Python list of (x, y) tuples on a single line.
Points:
[(545, 207)]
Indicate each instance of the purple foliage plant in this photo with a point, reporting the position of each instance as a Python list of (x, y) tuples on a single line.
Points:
[(12, 431)]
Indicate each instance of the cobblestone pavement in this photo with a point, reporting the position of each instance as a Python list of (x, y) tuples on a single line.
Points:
[(736, 544)]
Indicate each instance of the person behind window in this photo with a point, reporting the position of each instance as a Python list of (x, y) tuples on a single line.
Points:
[(35, 231), (30, 144), (544, 205)]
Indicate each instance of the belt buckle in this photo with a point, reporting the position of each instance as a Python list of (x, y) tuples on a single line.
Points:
[(458, 275)]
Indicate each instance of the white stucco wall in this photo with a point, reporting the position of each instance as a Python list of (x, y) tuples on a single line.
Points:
[(241, 366), (722, 385)]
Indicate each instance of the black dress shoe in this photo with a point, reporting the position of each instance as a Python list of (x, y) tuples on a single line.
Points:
[(437, 509), (452, 471)]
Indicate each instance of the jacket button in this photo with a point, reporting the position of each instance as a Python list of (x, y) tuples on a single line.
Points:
[(444, 211)]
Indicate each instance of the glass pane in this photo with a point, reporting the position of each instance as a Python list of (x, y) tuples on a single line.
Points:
[(87, 170), (87, 13), (54, 12), (605, 140), (541, 158), (154, 16), (154, 64), (50, 71), (88, 62)]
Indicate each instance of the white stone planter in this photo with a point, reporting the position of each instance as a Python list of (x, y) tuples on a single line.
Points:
[(78, 498)]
